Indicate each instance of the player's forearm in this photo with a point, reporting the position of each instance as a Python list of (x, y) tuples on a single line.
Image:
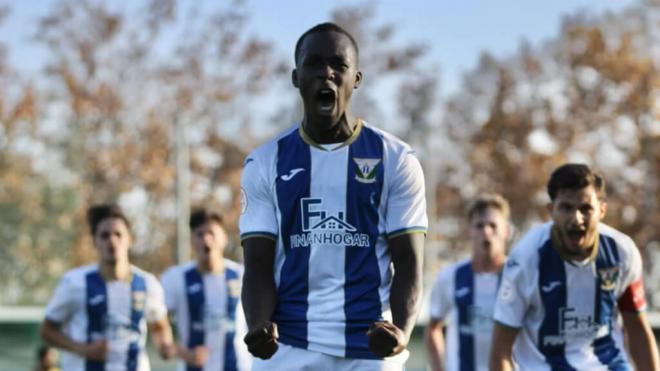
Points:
[(258, 295), (406, 289), (161, 333), (51, 333), (435, 347), (641, 342), (501, 357)]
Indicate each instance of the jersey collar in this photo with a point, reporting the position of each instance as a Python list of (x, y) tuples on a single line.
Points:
[(307, 139)]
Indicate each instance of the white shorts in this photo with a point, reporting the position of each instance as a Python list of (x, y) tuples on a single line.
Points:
[(288, 358)]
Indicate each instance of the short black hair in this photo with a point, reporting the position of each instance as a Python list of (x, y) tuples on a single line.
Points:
[(575, 177), (325, 27), (97, 213), (202, 216)]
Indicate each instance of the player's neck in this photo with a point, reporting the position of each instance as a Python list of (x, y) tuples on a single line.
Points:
[(211, 266), (322, 131), (487, 264), (115, 271)]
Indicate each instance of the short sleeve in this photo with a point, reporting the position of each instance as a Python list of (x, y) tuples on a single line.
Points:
[(441, 298), (512, 301), (155, 310), (406, 203), (63, 303), (633, 298), (258, 213), (171, 288)]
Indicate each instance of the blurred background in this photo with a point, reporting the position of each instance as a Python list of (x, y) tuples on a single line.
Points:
[(154, 104)]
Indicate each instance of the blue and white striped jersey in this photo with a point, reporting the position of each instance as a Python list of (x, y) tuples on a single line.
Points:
[(90, 309), (464, 301), (207, 312), (567, 312), (331, 210)]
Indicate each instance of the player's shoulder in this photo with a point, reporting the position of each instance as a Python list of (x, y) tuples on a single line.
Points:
[(268, 149), (177, 270), (234, 266), (525, 251), (624, 244), (77, 275), (390, 141), (446, 274), (148, 277)]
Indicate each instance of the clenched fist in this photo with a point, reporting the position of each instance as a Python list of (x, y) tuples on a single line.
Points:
[(385, 339), (262, 340)]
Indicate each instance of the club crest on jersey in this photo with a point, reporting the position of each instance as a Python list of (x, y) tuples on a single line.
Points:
[(365, 171), (139, 298), (608, 278)]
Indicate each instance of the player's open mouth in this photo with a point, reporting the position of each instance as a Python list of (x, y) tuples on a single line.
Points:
[(576, 236), (326, 99)]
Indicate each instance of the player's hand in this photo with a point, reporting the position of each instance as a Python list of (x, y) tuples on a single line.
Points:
[(95, 351), (385, 339), (196, 356), (262, 340), (167, 350)]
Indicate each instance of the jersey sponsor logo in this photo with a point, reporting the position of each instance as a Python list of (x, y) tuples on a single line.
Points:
[(462, 292), (550, 286), (480, 320), (195, 287), (96, 299), (291, 174), (321, 228), (574, 327), (608, 278), (365, 171)]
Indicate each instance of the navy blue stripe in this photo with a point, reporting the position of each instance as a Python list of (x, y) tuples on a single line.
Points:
[(607, 270), (362, 302), (464, 297), (194, 286), (291, 310), (138, 301), (552, 288), (231, 278), (97, 311)]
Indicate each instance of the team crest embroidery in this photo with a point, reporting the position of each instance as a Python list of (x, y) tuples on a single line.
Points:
[(608, 278), (139, 299), (234, 288), (366, 169)]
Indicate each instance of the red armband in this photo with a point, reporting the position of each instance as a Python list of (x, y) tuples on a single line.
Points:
[(633, 299)]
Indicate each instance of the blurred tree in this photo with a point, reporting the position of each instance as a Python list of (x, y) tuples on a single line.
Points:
[(116, 78), (589, 96)]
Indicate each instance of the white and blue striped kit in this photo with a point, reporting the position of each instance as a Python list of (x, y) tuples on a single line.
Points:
[(91, 309), (571, 319), (207, 312), (463, 300), (331, 211)]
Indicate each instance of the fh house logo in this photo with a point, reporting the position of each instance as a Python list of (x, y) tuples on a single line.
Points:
[(319, 227)]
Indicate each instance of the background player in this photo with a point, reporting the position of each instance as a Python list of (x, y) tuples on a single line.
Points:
[(99, 313), (333, 225), (203, 296), (566, 282), (463, 295)]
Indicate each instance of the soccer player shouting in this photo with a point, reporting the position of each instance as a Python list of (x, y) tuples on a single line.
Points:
[(333, 225), (565, 284)]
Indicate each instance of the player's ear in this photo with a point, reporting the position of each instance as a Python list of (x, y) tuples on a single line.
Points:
[(549, 207), (603, 208), (294, 78), (358, 79)]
